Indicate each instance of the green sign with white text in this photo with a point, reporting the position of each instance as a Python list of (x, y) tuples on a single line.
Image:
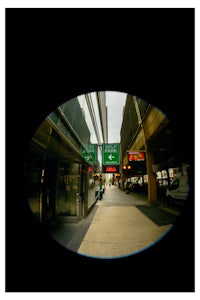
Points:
[(111, 154), (90, 155)]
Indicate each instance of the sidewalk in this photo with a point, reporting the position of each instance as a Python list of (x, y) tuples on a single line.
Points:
[(120, 224)]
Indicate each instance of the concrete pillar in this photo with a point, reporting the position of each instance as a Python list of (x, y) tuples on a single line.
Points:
[(152, 189)]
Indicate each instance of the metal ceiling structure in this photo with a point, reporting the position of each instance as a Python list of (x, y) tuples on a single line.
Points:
[(169, 148)]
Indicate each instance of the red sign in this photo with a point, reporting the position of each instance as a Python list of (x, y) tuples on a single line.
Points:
[(110, 169), (90, 169), (136, 156)]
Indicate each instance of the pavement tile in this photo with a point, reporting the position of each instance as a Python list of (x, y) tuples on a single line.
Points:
[(115, 227), (120, 230)]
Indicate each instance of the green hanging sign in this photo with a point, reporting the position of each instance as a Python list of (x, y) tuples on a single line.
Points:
[(90, 153), (111, 154)]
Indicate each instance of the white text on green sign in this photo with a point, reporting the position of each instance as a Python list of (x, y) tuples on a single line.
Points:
[(90, 155), (111, 154)]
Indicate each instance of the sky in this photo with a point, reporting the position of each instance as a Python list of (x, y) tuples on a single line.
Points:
[(115, 102)]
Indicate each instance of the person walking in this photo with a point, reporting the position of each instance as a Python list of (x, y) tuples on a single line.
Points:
[(101, 189), (97, 192)]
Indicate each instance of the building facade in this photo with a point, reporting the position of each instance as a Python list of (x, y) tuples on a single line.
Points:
[(62, 161)]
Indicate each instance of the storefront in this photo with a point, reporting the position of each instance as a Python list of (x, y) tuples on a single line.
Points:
[(59, 182)]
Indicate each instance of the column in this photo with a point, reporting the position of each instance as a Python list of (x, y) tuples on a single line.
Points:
[(152, 189)]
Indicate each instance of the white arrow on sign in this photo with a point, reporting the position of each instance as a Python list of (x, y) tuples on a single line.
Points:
[(111, 157), (88, 157)]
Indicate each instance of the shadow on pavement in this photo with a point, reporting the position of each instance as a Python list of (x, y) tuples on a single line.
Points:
[(158, 216)]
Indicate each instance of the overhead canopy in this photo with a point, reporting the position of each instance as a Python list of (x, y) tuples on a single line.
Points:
[(170, 148)]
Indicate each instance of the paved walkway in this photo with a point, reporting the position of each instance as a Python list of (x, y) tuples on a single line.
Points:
[(120, 224), (120, 228)]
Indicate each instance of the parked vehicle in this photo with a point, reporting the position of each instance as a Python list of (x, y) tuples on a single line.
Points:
[(178, 189)]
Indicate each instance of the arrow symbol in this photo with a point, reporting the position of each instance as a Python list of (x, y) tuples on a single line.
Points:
[(111, 157), (88, 157)]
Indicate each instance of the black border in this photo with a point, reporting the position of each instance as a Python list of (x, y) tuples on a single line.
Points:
[(56, 54)]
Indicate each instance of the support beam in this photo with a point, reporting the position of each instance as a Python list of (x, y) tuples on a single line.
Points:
[(152, 190)]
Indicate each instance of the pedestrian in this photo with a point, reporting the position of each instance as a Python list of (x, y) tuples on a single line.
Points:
[(96, 188), (100, 188)]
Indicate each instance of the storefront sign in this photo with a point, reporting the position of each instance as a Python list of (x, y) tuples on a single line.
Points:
[(110, 169), (136, 156)]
